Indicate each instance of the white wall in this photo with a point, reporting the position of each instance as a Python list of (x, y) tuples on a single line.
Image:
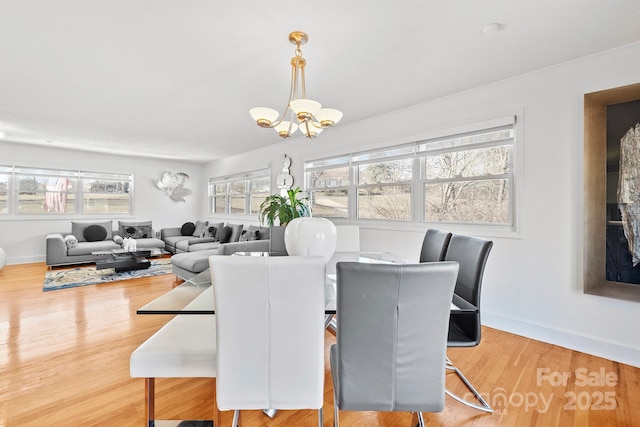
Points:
[(533, 282), (24, 240)]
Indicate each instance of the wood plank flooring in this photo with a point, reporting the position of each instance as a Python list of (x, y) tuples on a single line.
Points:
[(64, 361)]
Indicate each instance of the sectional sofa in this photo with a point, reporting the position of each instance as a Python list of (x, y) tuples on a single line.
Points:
[(76, 246), (193, 243)]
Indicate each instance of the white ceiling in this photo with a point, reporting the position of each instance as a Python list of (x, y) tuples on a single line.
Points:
[(176, 78)]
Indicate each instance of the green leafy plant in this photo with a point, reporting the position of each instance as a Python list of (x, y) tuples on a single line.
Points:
[(284, 208)]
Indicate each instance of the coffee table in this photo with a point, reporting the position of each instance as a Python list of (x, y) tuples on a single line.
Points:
[(122, 260)]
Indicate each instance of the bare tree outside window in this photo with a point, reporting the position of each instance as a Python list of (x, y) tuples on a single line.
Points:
[(468, 186), (391, 202), (465, 177)]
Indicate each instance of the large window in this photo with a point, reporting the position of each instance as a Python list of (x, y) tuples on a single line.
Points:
[(466, 177), (31, 191), (5, 174), (328, 184), (240, 193)]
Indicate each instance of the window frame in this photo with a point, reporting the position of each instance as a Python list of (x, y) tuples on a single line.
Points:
[(418, 211), (248, 179), (16, 173)]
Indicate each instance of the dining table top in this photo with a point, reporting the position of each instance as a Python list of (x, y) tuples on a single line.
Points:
[(195, 296)]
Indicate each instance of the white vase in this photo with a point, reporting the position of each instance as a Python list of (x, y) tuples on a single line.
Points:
[(3, 258), (311, 237)]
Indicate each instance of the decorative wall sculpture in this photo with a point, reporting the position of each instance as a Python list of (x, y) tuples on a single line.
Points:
[(611, 263), (284, 181), (629, 190), (173, 185)]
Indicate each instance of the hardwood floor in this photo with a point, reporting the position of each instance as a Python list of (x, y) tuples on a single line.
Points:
[(64, 361)]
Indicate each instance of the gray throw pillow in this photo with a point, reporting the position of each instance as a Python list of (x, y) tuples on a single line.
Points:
[(236, 232), (187, 229), (199, 230), (95, 233), (213, 228), (77, 229), (224, 235)]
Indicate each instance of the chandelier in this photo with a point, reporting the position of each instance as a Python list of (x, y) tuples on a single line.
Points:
[(310, 115)]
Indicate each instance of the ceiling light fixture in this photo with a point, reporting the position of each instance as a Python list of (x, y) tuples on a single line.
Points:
[(311, 117)]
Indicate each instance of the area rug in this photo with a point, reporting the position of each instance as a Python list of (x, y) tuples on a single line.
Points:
[(83, 276)]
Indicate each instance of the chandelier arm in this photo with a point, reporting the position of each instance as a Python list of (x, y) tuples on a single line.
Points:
[(291, 92), (308, 132), (303, 82)]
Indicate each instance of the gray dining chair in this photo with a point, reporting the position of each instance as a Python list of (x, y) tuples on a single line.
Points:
[(392, 337), (434, 245), (471, 254)]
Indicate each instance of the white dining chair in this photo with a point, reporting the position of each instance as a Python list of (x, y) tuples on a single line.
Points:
[(270, 332)]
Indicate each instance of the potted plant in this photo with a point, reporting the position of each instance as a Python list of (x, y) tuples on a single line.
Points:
[(284, 208)]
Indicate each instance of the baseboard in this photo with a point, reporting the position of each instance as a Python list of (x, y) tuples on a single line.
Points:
[(597, 347), (25, 259)]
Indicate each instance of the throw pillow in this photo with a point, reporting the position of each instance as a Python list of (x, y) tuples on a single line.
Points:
[(211, 232), (71, 241), (77, 229), (118, 239), (224, 235), (199, 228), (136, 231), (95, 233), (264, 233), (212, 229), (236, 232), (244, 236), (252, 233), (187, 229)]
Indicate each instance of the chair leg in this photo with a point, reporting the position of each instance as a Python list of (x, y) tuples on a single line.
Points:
[(271, 413), (320, 418), (236, 419), (484, 406), (149, 400), (336, 419), (216, 411)]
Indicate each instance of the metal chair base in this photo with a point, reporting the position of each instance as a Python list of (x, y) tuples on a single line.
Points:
[(484, 406)]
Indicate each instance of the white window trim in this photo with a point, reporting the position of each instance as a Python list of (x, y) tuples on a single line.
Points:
[(227, 180), (14, 171), (514, 230)]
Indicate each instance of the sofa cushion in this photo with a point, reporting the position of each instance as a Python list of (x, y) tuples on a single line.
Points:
[(173, 240), (95, 233), (204, 246), (136, 231), (265, 233), (236, 232), (224, 236), (213, 228), (77, 229), (85, 248), (194, 262), (149, 243), (249, 234), (187, 229), (199, 228)]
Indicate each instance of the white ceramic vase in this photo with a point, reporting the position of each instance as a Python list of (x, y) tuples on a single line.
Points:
[(308, 236)]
